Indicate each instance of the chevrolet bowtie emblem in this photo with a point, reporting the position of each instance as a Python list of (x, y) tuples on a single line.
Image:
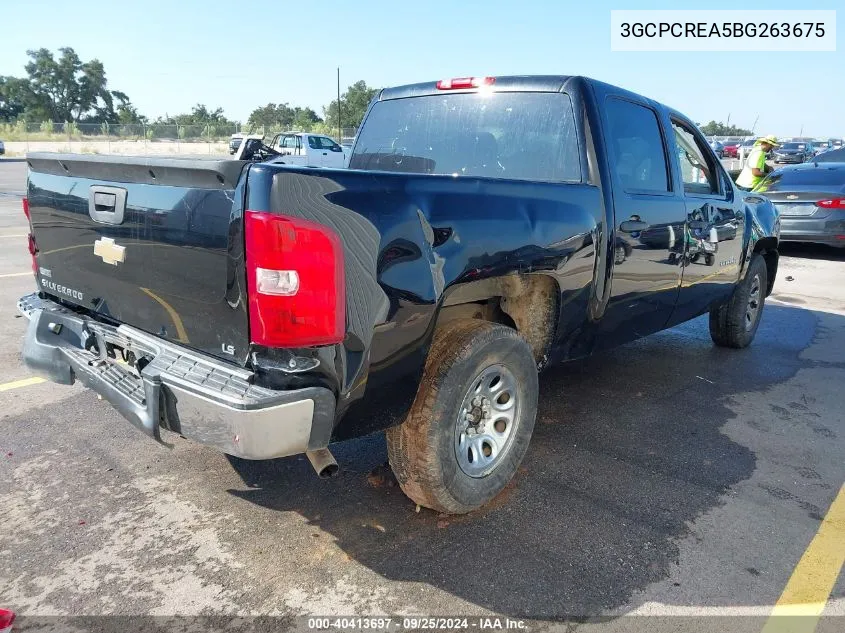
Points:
[(792, 196), (110, 252)]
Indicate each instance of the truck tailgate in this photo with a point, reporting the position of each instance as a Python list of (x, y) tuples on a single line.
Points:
[(156, 243)]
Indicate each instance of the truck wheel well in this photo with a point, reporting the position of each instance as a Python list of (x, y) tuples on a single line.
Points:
[(526, 303), (768, 248)]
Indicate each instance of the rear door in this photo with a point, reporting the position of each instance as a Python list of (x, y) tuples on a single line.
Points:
[(713, 235), (313, 149), (649, 222)]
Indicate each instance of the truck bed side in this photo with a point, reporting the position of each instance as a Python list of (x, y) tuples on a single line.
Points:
[(414, 243)]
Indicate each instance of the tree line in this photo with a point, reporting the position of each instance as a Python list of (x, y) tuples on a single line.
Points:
[(63, 88), (720, 129)]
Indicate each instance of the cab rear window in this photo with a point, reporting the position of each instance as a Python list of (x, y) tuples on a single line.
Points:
[(514, 135)]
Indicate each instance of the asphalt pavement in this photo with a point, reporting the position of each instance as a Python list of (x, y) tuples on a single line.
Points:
[(665, 478)]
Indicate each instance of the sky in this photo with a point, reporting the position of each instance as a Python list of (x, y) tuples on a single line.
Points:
[(170, 55)]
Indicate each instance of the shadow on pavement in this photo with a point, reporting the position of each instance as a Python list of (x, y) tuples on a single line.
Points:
[(811, 251), (627, 450)]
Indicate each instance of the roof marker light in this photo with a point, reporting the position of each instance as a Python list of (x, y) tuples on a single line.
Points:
[(459, 83)]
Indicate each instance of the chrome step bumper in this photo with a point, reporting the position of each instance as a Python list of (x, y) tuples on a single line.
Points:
[(192, 394)]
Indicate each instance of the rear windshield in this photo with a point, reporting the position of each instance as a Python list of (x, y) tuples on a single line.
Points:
[(831, 156), (817, 176), (794, 145), (519, 135)]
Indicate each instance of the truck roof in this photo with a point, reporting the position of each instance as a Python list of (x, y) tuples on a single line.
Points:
[(515, 83), (523, 83)]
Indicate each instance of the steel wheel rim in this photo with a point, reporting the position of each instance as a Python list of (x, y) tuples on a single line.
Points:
[(752, 308), (487, 421)]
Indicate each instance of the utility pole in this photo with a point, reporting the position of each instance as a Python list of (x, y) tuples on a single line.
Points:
[(339, 136)]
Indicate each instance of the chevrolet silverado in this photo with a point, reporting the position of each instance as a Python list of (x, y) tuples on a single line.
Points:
[(487, 228)]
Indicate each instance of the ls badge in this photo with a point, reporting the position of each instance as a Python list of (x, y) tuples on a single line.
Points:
[(110, 252)]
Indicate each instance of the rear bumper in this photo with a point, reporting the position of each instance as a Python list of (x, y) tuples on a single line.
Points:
[(179, 389), (827, 230)]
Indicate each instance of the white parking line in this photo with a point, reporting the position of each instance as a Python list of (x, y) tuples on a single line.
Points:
[(16, 274)]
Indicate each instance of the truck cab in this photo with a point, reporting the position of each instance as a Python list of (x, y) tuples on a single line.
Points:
[(309, 150)]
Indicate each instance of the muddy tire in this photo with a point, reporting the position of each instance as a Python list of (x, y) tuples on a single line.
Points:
[(472, 419), (735, 323)]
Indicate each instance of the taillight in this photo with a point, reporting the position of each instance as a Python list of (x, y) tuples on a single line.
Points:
[(33, 251), (33, 247), (295, 278), (834, 203), (7, 619), (465, 82)]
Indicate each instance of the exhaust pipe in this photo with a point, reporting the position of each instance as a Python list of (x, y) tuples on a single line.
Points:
[(323, 462)]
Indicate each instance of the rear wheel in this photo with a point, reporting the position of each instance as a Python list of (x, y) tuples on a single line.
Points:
[(735, 323), (472, 419)]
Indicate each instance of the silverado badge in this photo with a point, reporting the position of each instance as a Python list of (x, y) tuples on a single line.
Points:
[(110, 252)]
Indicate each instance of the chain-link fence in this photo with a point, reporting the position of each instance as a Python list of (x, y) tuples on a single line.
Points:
[(52, 131), (137, 138)]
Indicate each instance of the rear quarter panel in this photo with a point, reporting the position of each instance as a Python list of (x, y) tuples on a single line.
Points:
[(411, 240)]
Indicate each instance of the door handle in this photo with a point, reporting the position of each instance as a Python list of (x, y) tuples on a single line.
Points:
[(106, 205), (325, 153), (632, 226)]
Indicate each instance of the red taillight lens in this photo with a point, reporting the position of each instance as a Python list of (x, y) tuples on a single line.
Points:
[(33, 251), (835, 203), (7, 619), (295, 277), (26, 207), (465, 82)]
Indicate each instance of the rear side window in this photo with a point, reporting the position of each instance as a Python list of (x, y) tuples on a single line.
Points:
[(829, 177), (637, 146), (698, 171), (516, 135), (314, 142)]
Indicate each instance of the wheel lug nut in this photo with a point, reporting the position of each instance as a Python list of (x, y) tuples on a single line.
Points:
[(477, 401)]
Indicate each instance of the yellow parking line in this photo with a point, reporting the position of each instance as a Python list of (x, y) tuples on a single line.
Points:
[(26, 382), (17, 274), (177, 320), (814, 576)]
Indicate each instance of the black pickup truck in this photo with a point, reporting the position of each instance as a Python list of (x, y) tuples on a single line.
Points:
[(487, 228)]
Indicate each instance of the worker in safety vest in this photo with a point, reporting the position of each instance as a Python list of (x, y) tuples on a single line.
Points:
[(755, 167)]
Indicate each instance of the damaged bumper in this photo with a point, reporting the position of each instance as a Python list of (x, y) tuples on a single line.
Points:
[(189, 393)]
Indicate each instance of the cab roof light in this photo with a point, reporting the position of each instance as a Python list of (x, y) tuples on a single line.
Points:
[(459, 83)]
